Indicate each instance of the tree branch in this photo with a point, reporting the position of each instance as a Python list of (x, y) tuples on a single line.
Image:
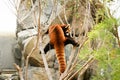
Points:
[(83, 68), (72, 63), (39, 39), (19, 71)]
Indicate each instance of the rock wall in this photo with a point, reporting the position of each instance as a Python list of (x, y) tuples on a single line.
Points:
[(28, 14), (27, 35)]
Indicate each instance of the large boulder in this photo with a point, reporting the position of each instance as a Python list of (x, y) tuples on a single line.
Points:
[(38, 73), (36, 58)]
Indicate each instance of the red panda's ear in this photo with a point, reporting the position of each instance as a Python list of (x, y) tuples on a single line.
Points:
[(68, 26), (64, 25)]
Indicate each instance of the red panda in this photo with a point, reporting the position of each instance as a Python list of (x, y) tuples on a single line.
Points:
[(59, 37)]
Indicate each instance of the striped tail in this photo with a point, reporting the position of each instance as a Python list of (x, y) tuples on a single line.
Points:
[(61, 61)]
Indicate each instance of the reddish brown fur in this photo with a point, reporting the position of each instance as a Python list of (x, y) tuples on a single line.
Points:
[(57, 38)]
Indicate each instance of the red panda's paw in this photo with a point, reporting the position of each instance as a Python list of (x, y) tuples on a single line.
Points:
[(77, 44)]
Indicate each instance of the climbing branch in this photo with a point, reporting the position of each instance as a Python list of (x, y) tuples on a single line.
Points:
[(39, 41), (72, 62), (117, 36), (19, 71), (65, 13), (35, 46), (83, 68)]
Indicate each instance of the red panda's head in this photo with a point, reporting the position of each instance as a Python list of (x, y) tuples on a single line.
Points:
[(66, 29)]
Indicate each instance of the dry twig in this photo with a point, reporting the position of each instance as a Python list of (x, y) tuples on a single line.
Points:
[(65, 13), (19, 71), (72, 63), (83, 68), (34, 48), (41, 49), (27, 61)]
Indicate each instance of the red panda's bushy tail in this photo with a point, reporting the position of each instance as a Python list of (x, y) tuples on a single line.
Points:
[(61, 58)]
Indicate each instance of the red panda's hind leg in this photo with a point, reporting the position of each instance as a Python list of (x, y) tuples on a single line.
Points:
[(48, 47)]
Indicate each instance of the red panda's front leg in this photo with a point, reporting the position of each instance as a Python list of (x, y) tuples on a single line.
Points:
[(70, 40)]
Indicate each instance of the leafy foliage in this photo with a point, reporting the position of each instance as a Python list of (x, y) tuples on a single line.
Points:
[(103, 45)]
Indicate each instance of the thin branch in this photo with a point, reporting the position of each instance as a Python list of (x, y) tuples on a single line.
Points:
[(76, 58), (83, 68), (70, 68), (53, 16), (65, 13), (27, 61), (32, 3), (34, 19), (60, 19), (117, 35), (36, 45), (45, 63), (28, 14), (68, 65), (19, 71), (55, 4), (70, 59), (16, 6), (11, 6), (40, 41)]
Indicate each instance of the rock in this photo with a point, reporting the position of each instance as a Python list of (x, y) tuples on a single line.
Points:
[(3, 77), (26, 33), (56, 65), (9, 77), (36, 58), (17, 54), (56, 75), (38, 73)]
